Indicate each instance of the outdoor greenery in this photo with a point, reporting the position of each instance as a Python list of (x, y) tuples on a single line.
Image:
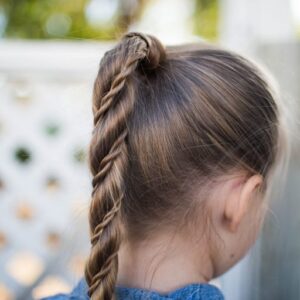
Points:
[(206, 18), (46, 19)]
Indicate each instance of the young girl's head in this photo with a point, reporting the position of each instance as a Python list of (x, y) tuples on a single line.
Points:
[(185, 141)]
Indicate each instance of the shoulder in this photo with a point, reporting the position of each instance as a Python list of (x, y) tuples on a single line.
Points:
[(79, 292)]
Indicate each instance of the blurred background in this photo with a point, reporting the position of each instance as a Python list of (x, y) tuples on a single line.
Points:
[(49, 55)]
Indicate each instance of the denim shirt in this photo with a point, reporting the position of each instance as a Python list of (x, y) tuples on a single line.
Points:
[(193, 291)]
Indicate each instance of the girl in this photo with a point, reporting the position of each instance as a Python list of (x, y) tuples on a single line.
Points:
[(184, 144)]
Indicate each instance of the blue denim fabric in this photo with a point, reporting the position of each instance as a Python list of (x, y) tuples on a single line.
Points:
[(193, 291)]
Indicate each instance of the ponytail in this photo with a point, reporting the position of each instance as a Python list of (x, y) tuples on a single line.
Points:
[(113, 102)]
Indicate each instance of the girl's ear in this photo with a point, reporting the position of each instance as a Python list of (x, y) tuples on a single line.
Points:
[(239, 201)]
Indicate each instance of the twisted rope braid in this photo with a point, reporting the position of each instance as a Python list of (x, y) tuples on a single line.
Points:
[(108, 157)]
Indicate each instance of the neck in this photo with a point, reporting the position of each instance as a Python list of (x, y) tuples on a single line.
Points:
[(163, 264)]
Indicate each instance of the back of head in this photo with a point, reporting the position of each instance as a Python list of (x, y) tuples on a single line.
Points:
[(166, 118)]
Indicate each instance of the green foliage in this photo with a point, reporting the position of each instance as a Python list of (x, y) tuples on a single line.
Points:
[(46, 19), (22, 155), (206, 18), (79, 155), (52, 129), (43, 19)]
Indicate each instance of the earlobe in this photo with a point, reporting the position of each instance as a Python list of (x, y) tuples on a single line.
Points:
[(234, 212), (240, 201)]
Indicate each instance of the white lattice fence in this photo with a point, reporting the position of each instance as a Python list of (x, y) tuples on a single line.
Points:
[(45, 127)]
